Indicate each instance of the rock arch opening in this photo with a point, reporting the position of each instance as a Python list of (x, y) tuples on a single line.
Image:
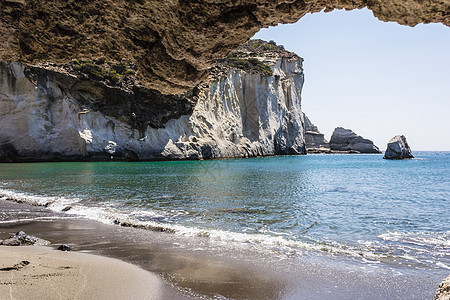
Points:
[(377, 78)]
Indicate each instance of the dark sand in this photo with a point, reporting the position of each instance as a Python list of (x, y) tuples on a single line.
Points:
[(198, 268)]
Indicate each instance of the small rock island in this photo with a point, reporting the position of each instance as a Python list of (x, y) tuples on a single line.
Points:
[(346, 140), (398, 148)]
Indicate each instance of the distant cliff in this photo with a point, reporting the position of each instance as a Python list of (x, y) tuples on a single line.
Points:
[(315, 141), (250, 106)]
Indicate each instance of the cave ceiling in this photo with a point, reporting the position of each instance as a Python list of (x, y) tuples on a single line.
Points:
[(172, 42)]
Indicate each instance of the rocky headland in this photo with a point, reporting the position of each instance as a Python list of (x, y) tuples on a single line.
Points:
[(141, 80), (99, 110), (398, 148), (347, 141)]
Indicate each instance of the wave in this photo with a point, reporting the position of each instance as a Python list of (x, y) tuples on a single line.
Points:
[(55, 203), (109, 214), (436, 240), (279, 243), (431, 247), (32, 219), (421, 249)]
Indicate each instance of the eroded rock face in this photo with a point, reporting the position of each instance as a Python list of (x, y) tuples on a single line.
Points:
[(173, 42), (315, 141), (51, 115), (398, 148), (346, 140)]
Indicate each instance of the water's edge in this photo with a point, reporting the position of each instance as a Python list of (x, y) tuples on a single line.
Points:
[(194, 271)]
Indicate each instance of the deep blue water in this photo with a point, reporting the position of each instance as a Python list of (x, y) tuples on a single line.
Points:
[(351, 205)]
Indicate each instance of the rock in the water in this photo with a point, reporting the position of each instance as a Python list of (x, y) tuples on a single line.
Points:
[(67, 208), (443, 292), (398, 148), (65, 248), (315, 141), (346, 140), (23, 239)]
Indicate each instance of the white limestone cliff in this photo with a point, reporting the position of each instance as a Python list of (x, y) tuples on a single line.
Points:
[(239, 115)]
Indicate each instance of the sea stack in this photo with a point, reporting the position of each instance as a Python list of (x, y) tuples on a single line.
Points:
[(348, 141), (398, 148), (315, 141)]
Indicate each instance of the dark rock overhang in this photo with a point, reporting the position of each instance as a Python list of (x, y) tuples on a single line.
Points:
[(172, 42)]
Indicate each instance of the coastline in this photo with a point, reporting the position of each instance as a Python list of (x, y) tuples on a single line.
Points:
[(190, 269), (186, 275)]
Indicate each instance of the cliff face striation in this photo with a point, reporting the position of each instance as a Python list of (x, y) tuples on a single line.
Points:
[(315, 141), (173, 42), (249, 107)]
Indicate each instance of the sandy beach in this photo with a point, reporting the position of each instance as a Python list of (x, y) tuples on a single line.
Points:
[(37, 272), (130, 263)]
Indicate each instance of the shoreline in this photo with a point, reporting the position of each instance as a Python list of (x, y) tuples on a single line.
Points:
[(44, 273), (190, 269), (186, 275), (157, 159)]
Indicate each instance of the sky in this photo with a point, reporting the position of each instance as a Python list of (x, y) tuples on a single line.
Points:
[(377, 78)]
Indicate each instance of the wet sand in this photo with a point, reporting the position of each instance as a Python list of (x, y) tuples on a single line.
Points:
[(195, 267), (186, 269)]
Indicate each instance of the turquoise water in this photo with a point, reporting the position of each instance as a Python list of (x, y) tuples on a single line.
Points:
[(358, 206)]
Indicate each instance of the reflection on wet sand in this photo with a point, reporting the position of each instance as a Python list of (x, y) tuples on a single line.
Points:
[(159, 253)]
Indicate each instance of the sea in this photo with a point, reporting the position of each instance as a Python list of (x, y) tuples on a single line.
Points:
[(353, 207)]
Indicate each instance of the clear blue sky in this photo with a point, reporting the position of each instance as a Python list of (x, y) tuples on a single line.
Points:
[(378, 79)]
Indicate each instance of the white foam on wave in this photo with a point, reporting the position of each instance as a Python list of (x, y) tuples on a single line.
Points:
[(265, 240), (430, 248), (436, 240), (278, 243), (32, 219), (442, 265), (109, 213), (55, 203)]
